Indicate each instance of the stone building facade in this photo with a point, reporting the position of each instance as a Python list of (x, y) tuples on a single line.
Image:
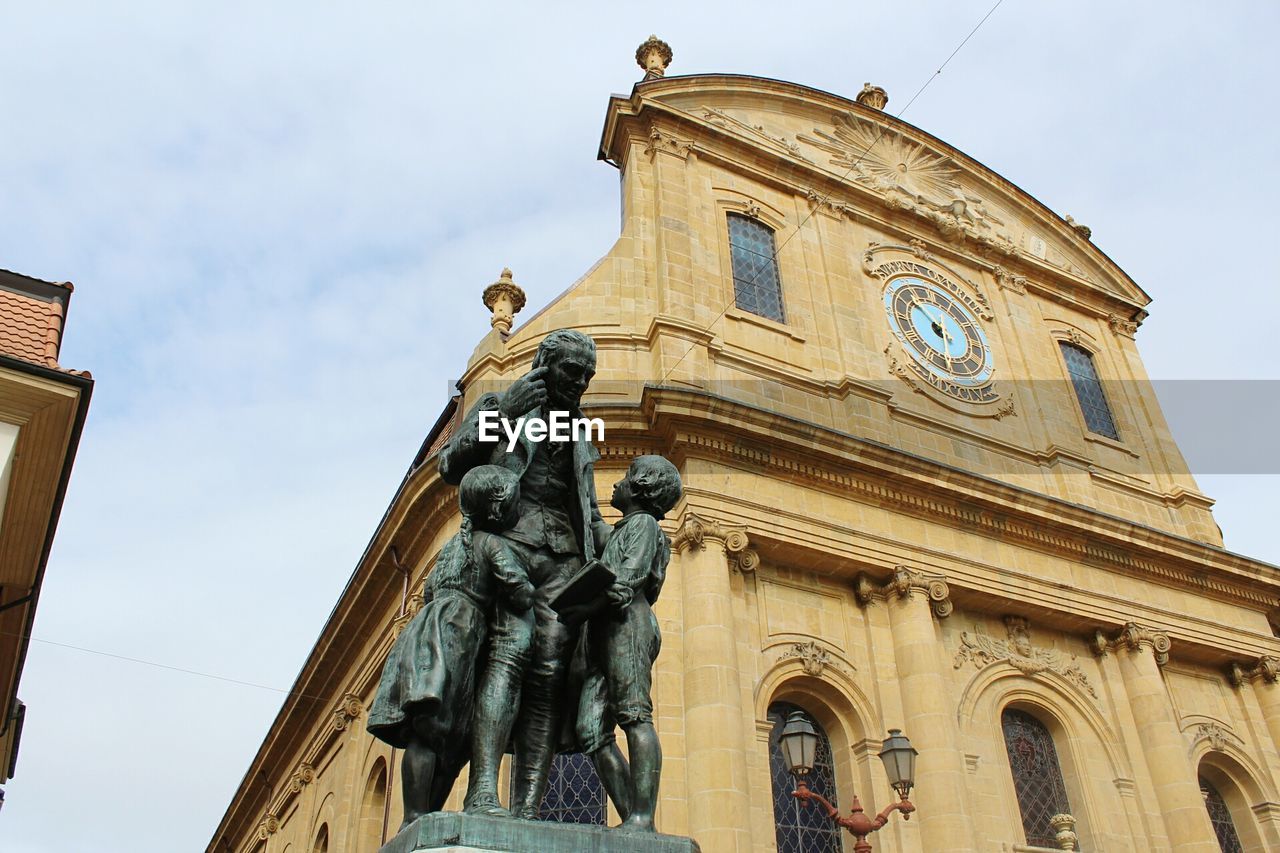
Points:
[(987, 538)]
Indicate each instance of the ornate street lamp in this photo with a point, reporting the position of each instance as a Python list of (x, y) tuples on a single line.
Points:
[(799, 743)]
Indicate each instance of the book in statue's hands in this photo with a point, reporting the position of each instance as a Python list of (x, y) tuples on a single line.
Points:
[(584, 594)]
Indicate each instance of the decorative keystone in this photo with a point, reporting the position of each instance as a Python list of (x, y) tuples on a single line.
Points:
[(505, 299), (873, 96), (654, 55)]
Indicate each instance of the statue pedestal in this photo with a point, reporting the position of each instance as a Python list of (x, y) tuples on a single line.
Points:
[(456, 833)]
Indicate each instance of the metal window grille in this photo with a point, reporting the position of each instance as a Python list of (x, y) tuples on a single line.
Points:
[(1220, 817), (756, 285), (574, 791), (1084, 378), (1037, 776), (801, 827)]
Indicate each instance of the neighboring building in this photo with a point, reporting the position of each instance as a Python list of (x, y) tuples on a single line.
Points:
[(42, 410), (928, 486)]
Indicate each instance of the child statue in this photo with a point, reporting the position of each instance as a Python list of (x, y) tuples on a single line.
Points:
[(623, 641), (426, 696)]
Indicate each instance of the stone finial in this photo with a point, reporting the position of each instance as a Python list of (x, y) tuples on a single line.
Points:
[(1083, 230), (873, 96), (654, 56), (1064, 827), (505, 299)]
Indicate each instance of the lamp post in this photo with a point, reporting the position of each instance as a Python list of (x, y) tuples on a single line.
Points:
[(799, 742)]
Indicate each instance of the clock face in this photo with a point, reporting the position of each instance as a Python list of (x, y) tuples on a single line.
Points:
[(943, 338)]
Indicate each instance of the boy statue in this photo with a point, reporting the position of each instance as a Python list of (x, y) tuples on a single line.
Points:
[(623, 641)]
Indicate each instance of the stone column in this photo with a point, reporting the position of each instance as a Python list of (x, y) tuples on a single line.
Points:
[(928, 705), (715, 742), (1265, 675), (1140, 653)]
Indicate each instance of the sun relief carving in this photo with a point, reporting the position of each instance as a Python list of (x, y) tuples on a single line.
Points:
[(1018, 651), (911, 177)]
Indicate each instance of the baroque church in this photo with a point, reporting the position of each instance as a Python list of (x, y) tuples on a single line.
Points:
[(928, 487)]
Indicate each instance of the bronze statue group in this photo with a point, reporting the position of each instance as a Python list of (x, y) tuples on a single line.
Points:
[(489, 662)]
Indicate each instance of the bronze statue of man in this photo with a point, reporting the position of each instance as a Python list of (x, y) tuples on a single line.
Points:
[(558, 527)]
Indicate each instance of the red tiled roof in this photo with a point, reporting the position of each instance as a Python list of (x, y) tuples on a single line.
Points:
[(30, 328)]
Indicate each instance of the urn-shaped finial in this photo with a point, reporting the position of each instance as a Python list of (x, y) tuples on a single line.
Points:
[(654, 55), (1064, 826), (505, 299), (873, 96)]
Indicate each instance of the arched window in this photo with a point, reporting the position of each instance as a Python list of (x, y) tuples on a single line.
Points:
[(322, 840), (1220, 817), (802, 828), (1093, 402), (756, 286), (1037, 776), (574, 791), (373, 809)]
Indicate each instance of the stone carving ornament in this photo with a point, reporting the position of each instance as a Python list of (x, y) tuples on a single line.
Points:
[(1019, 652)]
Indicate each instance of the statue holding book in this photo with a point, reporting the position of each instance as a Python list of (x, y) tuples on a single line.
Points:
[(553, 582)]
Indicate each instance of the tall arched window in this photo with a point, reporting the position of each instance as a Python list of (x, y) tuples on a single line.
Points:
[(1093, 402), (800, 827), (373, 809), (756, 286), (575, 793), (1220, 817), (322, 840), (1037, 776)]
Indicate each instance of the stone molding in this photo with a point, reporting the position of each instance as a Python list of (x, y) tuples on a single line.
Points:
[(662, 142), (814, 659), (303, 776), (269, 825), (1266, 668), (348, 709), (1133, 637), (755, 132), (1008, 280), (694, 530), (1215, 734), (904, 584), (983, 650), (1122, 327)]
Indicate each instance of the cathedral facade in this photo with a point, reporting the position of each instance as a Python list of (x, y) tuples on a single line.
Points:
[(928, 487)]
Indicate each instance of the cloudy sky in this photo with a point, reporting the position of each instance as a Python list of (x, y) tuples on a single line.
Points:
[(279, 218)]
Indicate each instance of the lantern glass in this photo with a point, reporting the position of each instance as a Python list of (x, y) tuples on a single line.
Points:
[(799, 742), (899, 759)]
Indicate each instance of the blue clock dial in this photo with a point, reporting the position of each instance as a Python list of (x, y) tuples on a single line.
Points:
[(942, 336)]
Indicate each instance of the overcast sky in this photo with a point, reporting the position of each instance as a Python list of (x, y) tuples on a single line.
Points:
[(279, 222)]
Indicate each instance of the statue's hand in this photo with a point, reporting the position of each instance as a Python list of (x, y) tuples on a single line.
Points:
[(522, 598), (526, 393), (620, 595)]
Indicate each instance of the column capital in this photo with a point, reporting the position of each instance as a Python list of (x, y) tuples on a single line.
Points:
[(1266, 668), (695, 530), (1133, 637), (904, 583)]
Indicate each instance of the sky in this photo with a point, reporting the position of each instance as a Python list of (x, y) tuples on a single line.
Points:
[(279, 219)]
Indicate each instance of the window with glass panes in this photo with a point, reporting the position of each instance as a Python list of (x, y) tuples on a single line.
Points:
[(575, 793), (1037, 776), (756, 285), (1084, 378), (802, 827), (1220, 817)]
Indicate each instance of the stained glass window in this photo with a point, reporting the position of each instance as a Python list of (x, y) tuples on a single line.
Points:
[(1220, 817), (1084, 378), (574, 791), (801, 827), (756, 286), (1037, 776)]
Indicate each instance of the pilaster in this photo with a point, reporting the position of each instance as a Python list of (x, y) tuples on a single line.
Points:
[(913, 598), (715, 742), (1141, 651)]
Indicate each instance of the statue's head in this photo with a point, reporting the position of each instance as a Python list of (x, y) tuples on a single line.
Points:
[(652, 484), (570, 359), (488, 495)]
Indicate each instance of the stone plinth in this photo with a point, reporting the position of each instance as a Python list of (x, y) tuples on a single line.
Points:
[(456, 832)]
